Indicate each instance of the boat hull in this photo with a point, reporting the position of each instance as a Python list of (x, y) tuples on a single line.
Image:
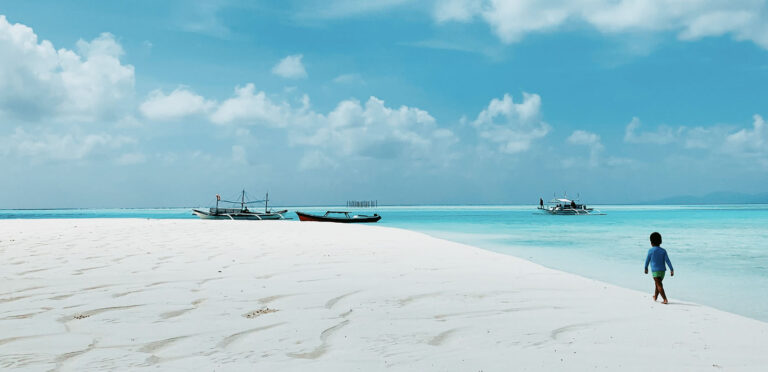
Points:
[(570, 211), (315, 218), (250, 216)]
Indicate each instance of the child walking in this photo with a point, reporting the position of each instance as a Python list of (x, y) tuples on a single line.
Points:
[(657, 257)]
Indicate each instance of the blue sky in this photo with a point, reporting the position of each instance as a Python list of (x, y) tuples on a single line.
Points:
[(166, 103)]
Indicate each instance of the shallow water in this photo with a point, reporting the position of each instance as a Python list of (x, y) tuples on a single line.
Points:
[(720, 253)]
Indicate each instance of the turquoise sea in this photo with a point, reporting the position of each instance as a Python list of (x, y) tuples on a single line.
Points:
[(720, 252)]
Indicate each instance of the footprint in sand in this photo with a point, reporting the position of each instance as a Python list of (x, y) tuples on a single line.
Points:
[(409, 299), (334, 300), (21, 290), (61, 297), (122, 294), (175, 313), (97, 287), (33, 271), (209, 280), (555, 333), (11, 299), (226, 341), (323, 348), (152, 347), (23, 316), (442, 337), (266, 300)]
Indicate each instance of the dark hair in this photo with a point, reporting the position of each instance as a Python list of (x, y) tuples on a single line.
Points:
[(655, 239)]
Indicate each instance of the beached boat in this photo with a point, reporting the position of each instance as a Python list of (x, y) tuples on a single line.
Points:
[(242, 213), (338, 216), (565, 206)]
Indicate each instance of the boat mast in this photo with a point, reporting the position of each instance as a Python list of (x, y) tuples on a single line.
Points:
[(242, 201)]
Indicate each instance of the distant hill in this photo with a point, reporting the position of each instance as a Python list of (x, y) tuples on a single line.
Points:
[(715, 198)]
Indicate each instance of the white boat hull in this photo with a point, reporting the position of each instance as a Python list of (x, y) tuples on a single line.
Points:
[(240, 215), (570, 211)]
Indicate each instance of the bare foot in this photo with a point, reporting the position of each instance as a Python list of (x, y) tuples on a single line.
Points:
[(655, 297), (665, 302)]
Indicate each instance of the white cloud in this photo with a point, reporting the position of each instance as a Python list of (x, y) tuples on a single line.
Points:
[(178, 104), (349, 79), (290, 67), (592, 141), (690, 138), (370, 130), (662, 135), (749, 142), (511, 20), (376, 131), (707, 138), (256, 108), (492, 51), (38, 81), (456, 10), (513, 126), (44, 145), (718, 139), (582, 137)]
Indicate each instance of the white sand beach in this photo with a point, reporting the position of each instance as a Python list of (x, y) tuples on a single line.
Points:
[(191, 295)]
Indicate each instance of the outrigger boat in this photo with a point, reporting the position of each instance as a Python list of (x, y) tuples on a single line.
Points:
[(338, 216), (565, 206), (242, 213)]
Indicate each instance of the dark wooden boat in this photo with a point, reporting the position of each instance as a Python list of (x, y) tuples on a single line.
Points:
[(338, 216)]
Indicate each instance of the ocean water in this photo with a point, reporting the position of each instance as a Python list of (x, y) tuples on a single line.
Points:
[(720, 252)]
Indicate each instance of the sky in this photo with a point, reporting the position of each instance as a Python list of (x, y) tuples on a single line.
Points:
[(167, 103)]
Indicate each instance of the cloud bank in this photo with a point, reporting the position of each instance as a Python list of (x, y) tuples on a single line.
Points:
[(512, 20), (38, 82), (43, 145), (748, 143)]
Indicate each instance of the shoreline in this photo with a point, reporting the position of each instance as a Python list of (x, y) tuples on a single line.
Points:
[(179, 294)]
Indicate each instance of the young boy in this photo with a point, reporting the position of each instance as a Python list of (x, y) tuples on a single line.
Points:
[(657, 256)]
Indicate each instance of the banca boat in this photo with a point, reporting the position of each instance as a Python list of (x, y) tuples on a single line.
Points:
[(565, 206), (242, 213), (338, 216)]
